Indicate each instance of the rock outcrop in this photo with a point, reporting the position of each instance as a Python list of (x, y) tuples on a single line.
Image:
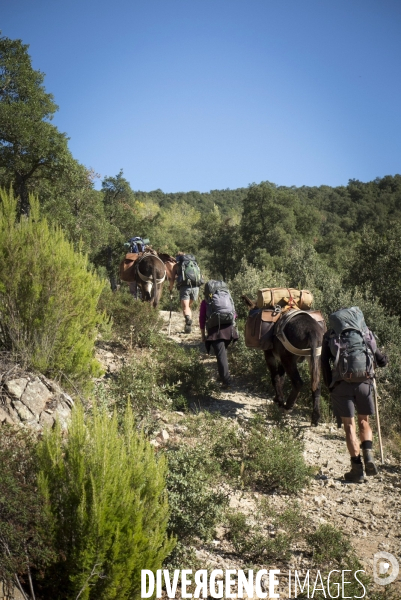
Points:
[(32, 400)]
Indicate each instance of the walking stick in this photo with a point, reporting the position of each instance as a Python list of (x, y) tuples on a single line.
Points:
[(378, 420), (171, 308)]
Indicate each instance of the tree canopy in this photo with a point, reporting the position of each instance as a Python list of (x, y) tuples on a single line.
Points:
[(30, 145)]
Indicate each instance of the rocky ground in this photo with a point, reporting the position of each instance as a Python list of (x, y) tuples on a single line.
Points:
[(369, 513)]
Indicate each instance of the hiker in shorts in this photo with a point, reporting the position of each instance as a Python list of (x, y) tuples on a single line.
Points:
[(187, 274), (217, 324), (349, 358)]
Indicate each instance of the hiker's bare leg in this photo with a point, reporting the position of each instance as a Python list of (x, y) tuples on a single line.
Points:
[(365, 432), (186, 307), (350, 436)]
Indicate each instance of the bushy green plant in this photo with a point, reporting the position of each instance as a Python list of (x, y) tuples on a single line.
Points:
[(167, 377), (248, 364), (106, 490), (25, 526), (183, 370), (276, 460), (332, 549), (135, 322), (195, 506), (137, 384), (48, 296), (328, 544), (248, 281), (268, 534), (253, 455)]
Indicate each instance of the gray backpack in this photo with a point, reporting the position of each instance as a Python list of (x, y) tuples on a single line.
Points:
[(220, 306), (352, 345)]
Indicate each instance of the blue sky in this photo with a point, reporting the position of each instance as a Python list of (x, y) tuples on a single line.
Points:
[(211, 94)]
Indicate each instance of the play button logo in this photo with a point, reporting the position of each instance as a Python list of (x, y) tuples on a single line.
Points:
[(385, 568)]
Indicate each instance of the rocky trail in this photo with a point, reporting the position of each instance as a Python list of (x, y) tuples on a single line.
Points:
[(370, 512)]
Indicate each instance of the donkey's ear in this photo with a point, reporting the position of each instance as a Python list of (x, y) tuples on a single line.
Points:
[(250, 303)]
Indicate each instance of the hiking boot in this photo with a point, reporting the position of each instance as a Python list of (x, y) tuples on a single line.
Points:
[(356, 474), (188, 323), (370, 466), (227, 385)]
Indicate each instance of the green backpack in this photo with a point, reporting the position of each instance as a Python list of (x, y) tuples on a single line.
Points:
[(190, 273)]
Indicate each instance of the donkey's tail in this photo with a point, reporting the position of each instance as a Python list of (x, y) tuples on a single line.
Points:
[(314, 365)]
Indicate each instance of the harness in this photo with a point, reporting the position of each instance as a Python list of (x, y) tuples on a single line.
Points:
[(282, 322), (150, 277)]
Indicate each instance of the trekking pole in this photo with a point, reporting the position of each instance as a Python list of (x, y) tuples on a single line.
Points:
[(378, 420), (171, 308)]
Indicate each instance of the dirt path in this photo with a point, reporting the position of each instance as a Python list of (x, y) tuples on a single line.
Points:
[(369, 512)]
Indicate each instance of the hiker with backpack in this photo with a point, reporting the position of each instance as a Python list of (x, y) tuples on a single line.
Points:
[(188, 276), (349, 358), (217, 324)]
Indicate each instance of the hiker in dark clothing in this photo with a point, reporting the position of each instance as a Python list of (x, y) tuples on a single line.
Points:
[(218, 336), (351, 389)]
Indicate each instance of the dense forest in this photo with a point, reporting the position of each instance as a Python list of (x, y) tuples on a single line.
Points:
[(342, 243)]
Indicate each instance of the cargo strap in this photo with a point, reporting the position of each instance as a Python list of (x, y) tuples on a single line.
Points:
[(287, 344), (150, 278)]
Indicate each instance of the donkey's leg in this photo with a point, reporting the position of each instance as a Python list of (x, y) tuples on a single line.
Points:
[(316, 405), (290, 365), (277, 376)]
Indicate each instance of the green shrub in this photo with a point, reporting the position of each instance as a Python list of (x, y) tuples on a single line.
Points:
[(195, 506), (137, 384), (248, 281), (107, 495), (135, 322), (332, 549), (48, 296), (253, 455), (249, 364), (328, 544), (276, 460), (25, 526), (268, 535), (166, 377), (183, 370)]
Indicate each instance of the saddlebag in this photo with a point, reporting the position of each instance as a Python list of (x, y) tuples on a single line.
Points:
[(127, 272), (259, 329)]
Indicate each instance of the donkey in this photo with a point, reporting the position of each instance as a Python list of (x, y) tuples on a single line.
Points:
[(169, 263), (298, 336), (302, 332), (150, 274)]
